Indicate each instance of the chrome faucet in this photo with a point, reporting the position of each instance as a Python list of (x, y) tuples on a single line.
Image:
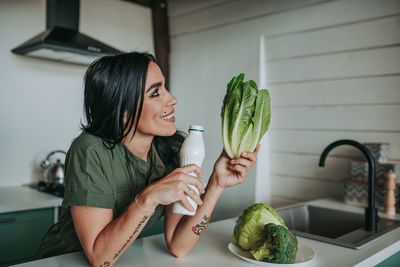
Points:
[(371, 216)]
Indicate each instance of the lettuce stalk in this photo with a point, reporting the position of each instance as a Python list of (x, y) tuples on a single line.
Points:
[(245, 116)]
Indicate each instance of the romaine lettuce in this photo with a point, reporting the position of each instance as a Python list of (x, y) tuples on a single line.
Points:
[(245, 116)]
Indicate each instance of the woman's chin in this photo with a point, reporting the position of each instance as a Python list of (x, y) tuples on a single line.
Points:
[(172, 132), (168, 131)]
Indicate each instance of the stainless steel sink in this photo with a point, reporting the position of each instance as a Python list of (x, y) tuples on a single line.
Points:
[(333, 226)]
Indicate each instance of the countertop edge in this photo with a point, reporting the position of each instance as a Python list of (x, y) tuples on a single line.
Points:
[(21, 198), (380, 256)]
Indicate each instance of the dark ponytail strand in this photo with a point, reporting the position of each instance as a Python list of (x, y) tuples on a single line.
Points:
[(168, 148)]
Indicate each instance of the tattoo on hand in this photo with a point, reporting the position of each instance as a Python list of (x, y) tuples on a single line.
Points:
[(199, 228), (130, 237)]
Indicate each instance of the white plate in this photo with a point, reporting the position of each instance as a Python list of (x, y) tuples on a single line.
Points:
[(304, 255)]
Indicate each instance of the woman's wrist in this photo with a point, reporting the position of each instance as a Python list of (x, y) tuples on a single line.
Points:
[(145, 201), (214, 186)]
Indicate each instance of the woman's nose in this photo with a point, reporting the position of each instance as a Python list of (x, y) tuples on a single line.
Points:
[(171, 99)]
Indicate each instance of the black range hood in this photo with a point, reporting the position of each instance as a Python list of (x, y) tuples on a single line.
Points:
[(62, 41)]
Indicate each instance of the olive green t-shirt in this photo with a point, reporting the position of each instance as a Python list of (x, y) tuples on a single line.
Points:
[(99, 177)]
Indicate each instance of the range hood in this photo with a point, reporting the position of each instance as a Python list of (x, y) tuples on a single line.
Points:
[(62, 41)]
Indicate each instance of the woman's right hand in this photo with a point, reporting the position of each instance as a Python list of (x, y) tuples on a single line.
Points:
[(172, 188)]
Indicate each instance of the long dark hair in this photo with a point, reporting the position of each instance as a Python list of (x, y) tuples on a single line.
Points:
[(113, 85)]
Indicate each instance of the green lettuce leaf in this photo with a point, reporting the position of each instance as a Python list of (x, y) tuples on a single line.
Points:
[(249, 228), (245, 116)]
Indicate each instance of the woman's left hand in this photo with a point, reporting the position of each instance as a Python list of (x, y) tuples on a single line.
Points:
[(229, 172)]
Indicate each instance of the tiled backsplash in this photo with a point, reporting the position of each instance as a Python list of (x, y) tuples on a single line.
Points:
[(356, 187)]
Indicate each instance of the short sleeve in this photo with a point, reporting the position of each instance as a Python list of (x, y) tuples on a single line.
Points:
[(86, 184)]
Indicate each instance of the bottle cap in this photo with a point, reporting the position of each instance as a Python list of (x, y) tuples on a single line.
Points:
[(197, 128)]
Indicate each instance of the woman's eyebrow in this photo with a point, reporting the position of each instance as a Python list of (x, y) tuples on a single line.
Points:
[(153, 85)]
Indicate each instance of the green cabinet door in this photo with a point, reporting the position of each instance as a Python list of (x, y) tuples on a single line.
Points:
[(156, 228), (21, 233), (391, 261)]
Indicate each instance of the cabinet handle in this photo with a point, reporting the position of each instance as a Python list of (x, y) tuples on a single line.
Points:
[(6, 220)]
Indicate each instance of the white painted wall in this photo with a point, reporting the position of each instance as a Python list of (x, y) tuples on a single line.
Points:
[(332, 68), (41, 101)]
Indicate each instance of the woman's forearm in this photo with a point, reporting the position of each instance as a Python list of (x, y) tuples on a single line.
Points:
[(117, 236), (190, 229)]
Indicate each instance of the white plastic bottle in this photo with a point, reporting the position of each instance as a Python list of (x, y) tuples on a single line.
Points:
[(192, 152)]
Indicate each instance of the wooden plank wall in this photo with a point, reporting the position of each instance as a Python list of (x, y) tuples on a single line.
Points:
[(338, 79), (332, 68)]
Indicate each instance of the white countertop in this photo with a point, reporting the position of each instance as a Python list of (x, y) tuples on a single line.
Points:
[(20, 198), (212, 249)]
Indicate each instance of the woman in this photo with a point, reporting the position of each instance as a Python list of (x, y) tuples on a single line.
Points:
[(122, 172)]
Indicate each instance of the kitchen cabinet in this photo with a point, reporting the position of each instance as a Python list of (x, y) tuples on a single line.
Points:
[(25, 216), (156, 228), (21, 233), (393, 260)]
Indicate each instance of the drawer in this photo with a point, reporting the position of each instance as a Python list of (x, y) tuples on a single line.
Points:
[(21, 233)]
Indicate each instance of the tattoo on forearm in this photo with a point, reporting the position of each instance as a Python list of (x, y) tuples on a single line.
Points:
[(131, 236), (105, 264), (199, 228)]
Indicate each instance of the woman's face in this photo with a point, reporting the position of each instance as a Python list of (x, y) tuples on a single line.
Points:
[(157, 116)]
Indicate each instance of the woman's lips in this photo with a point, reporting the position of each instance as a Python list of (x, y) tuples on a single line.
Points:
[(169, 118)]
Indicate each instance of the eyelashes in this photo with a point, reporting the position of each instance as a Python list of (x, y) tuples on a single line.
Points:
[(155, 93)]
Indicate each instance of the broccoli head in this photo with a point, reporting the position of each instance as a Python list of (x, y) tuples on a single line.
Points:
[(279, 245)]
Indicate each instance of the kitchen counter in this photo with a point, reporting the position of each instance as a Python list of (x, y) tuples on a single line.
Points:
[(212, 249), (21, 198)]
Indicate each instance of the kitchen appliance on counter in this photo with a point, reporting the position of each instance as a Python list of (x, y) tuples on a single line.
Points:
[(53, 176)]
